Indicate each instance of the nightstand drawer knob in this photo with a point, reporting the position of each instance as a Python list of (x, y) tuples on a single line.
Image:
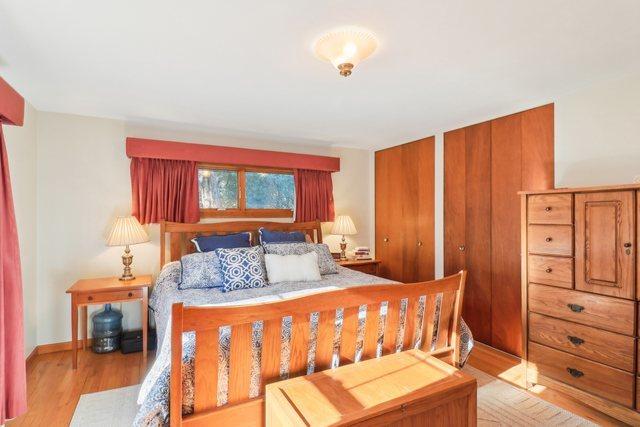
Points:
[(90, 298), (130, 294)]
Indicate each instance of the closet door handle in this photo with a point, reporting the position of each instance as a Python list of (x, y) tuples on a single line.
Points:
[(462, 248), (386, 239), (575, 308), (419, 243), (575, 373), (575, 340)]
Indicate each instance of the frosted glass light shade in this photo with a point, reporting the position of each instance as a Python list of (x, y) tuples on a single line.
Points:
[(343, 225), (345, 48), (126, 230)]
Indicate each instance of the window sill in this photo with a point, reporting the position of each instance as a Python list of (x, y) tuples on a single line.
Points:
[(246, 213)]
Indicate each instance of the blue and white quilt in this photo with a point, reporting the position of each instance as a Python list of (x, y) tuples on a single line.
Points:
[(154, 393)]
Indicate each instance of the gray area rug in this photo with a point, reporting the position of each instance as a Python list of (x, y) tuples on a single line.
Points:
[(111, 408), (499, 404)]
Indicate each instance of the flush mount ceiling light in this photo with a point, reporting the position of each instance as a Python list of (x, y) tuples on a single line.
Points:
[(345, 48)]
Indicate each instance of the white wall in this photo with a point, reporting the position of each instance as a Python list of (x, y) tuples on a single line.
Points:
[(598, 134), (21, 150), (83, 183)]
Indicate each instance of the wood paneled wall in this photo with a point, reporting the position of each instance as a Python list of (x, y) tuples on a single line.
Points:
[(405, 227), (485, 166)]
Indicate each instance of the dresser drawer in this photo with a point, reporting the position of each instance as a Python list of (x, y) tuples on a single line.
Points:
[(550, 209), (548, 270), (596, 378), (551, 239), (111, 296), (590, 343), (611, 314)]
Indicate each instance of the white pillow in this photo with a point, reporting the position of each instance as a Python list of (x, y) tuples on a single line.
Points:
[(292, 268)]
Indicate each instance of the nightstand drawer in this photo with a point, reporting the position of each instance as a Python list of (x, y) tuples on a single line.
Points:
[(365, 268), (112, 296)]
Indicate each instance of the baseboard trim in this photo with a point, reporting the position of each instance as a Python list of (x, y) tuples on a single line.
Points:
[(59, 346)]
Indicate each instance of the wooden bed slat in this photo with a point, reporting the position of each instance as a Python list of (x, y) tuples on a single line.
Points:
[(271, 352), (206, 370), (446, 315), (349, 335), (299, 354), (240, 363), (371, 332), (324, 340), (410, 323), (391, 326), (428, 322)]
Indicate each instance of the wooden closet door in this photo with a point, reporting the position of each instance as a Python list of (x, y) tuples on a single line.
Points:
[(605, 245), (388, 207), (467, 220), (405, 211), (419, 207), (506, 181)]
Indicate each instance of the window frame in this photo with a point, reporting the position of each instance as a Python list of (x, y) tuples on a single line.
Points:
[(242, 211)]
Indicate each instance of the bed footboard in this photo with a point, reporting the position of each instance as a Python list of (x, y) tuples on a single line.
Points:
[(398, 317)]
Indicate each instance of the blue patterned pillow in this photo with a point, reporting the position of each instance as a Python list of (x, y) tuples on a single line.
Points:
[(218, 241), (242, 268), (200, 270), (269, 236)]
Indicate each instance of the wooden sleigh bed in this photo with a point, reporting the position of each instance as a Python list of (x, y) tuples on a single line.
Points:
[(205, 322)]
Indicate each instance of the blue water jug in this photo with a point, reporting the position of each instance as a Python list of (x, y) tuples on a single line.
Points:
[(107, 328)]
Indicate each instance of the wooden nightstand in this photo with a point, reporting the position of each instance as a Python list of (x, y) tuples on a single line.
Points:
[(369, 266), (86, 292)]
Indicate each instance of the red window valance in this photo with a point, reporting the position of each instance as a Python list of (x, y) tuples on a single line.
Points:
[(203, 153)]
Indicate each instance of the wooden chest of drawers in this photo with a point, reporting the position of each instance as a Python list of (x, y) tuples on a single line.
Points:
[(579, 288)]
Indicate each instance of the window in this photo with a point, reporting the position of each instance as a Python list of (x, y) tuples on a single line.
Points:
[(245, 192)]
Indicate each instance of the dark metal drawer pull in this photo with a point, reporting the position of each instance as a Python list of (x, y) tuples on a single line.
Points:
[(575, 340), (575, 307), (548, 239), (130, 294), (575, 373)]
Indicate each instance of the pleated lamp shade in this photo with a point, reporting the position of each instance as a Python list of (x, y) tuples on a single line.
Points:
[(126, 230), (343, 225)]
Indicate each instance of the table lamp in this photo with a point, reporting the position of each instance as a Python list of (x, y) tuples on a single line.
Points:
[(343, 225), (125, 231)]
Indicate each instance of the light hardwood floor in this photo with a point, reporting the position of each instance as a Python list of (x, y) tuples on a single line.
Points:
[(54, 388)]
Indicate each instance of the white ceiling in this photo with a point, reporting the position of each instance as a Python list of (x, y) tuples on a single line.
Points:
[(247, 67)]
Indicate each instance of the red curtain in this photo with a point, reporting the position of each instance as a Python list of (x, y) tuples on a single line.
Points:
[(164, 190), (314, 195), (13, 386)]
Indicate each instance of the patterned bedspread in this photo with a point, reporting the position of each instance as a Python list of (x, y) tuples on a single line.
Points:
[(154, 393)]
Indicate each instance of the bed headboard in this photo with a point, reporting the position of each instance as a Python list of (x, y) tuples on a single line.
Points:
[(177, 236)]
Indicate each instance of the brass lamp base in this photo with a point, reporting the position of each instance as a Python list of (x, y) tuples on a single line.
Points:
[(127, 260), (343, 249)]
